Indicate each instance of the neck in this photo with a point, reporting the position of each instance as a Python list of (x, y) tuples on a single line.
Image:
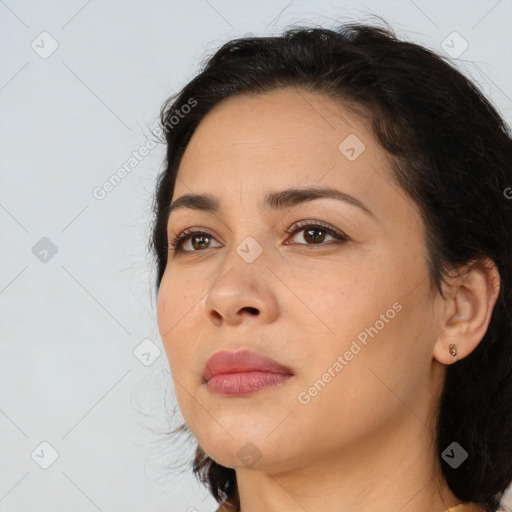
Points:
[(389, 470)]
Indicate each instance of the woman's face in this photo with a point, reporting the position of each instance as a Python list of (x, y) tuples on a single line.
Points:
[(353, 320)]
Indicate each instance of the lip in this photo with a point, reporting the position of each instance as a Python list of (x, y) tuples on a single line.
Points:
[(242, 372)]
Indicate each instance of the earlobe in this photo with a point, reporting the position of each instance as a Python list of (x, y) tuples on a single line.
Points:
[(468, 306)]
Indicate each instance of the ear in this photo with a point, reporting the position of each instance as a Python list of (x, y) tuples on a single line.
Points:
[(468, 304)]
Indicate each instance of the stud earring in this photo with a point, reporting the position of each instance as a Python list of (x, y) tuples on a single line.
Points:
[(453, 350)]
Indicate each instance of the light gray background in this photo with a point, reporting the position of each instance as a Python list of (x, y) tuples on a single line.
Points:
[(70, 323)]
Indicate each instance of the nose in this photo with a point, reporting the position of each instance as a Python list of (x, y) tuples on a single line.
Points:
[(244, 292)]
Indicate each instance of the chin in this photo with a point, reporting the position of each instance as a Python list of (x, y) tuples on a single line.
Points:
[(237, 451)]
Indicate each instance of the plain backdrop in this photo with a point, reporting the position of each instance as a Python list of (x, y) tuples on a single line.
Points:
[(84, 381)]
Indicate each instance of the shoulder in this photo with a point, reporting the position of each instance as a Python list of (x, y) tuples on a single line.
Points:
[(225, 508), (465, 508), (457, 508)]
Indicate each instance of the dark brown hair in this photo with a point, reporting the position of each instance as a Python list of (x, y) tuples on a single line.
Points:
[(449, 150)]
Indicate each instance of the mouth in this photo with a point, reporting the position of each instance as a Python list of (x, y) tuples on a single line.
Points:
[(242, 373)]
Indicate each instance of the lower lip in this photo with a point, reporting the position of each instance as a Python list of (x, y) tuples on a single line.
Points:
[(245, 383)]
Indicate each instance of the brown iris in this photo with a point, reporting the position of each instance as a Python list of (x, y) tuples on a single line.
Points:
[(201, 244), (308, 236)]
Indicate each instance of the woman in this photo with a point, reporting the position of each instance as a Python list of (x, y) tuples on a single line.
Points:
[(332, 238)]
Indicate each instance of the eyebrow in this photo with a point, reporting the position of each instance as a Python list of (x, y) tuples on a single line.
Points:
[(273, 200)]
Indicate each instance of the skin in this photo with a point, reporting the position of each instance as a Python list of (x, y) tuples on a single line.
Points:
[(364, 442)]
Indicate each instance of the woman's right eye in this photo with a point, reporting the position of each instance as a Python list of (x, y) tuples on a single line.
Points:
[(199, 237)]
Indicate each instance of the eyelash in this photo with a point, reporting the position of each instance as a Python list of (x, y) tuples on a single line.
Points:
[(176, 243)]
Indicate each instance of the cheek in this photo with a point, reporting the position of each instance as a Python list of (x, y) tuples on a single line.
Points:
[(166, 310), (363, 319), (343, 301), (176, 300), (174, 308), (174, 312)]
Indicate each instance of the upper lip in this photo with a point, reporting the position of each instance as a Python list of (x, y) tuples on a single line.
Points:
[(241, 361)]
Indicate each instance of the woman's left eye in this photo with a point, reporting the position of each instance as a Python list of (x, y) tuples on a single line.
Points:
[(315, 234)]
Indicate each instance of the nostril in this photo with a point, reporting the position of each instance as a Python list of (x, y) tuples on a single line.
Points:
[(254, 311)]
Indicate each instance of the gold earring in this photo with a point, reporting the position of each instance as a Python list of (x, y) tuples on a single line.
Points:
[(453, 350)]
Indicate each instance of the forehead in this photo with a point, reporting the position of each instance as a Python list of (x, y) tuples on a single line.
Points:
[(286, 138), (288, 123), (288, 127)]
